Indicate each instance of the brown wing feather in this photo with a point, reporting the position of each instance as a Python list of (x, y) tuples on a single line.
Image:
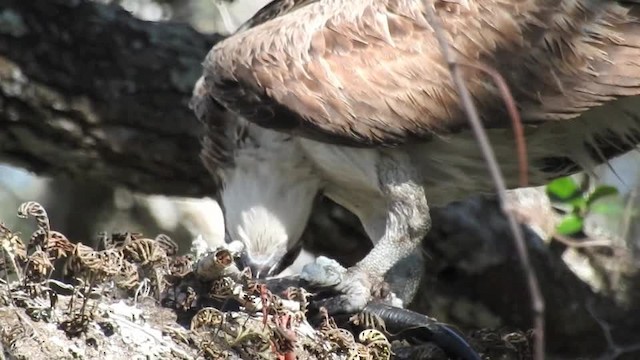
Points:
[(369, 72)]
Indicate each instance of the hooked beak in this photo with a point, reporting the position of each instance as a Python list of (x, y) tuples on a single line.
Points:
[(261, 268), (274, 264)]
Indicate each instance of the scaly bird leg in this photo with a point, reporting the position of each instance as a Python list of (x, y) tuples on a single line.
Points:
[(400, 229)]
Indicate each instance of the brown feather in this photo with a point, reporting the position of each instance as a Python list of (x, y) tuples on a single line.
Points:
[(370, 73)]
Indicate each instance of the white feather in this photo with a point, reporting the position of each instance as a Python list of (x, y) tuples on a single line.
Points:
[(268, 193)]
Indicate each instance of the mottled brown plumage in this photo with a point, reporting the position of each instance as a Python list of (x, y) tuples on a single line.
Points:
[(369, 72)]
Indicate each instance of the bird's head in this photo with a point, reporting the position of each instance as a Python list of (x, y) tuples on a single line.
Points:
[(267, 185), (267, 191)]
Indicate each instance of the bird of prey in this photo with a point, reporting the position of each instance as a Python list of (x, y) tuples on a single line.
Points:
[(353, 99)]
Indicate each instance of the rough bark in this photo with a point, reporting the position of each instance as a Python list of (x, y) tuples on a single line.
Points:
[(89, 91)]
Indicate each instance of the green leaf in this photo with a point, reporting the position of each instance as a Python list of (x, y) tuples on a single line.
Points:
[(563, 189), (601, 192), (570, 225), (579, 205)]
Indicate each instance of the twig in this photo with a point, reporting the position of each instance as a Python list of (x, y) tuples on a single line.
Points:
[(219, 327), (87, 293), (625, 223), (487, 151), (582, 243), (143, 289), (5, 257), (516, 122)]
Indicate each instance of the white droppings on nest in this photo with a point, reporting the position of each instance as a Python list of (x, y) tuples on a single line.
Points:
[(71, 349), (135, 332), (199, 247), (305, 329), (122, 309)]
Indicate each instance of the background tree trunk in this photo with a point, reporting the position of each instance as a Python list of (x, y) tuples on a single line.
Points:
[(88, 91)]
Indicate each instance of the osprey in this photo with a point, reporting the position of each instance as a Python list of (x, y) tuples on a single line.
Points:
[(352, 99)]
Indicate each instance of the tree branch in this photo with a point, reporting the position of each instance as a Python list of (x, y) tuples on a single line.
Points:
[(89, 91)]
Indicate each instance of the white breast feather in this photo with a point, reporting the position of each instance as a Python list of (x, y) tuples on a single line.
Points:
[(269, 192)]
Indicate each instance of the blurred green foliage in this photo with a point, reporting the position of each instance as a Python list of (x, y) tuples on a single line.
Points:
[(579, 203)]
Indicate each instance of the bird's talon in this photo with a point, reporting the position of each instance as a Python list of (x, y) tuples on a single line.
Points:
[(324, 272), (381, 290), (354, 288), (341, 304)]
